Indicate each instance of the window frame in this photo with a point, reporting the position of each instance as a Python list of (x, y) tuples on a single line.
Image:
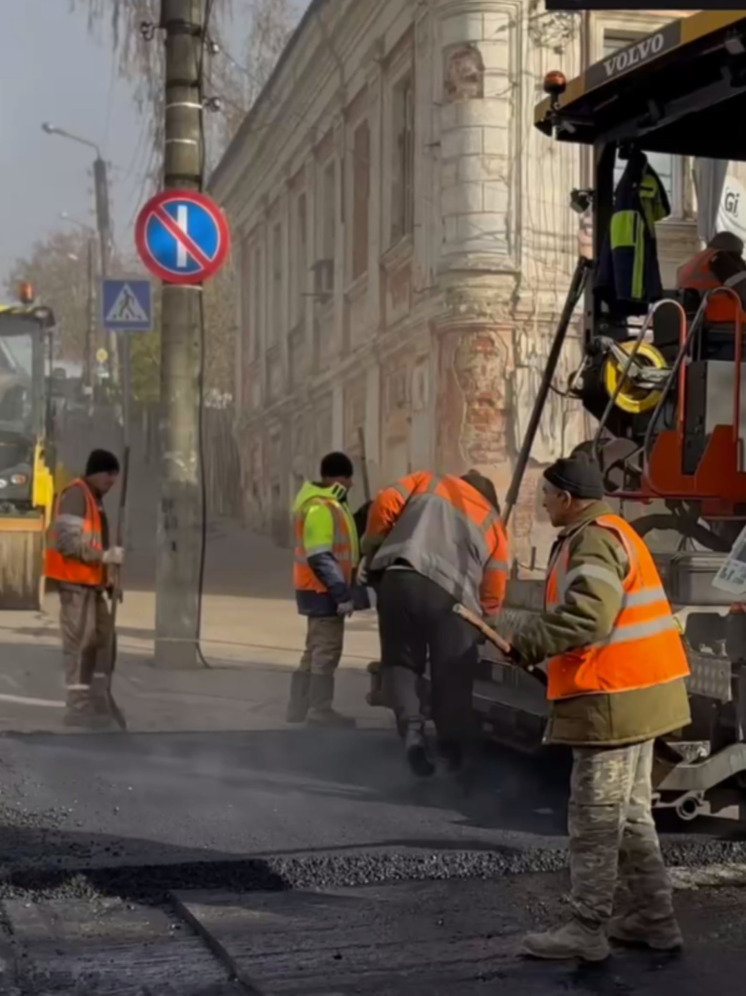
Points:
[(401, 156), (327, 221), (275, 274), (356, 213), (299, 257), (257, 297)]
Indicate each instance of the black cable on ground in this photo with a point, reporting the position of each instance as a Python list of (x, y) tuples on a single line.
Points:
[(202, 482)]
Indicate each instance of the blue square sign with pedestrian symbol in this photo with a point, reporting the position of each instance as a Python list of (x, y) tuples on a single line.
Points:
[(127, 305)]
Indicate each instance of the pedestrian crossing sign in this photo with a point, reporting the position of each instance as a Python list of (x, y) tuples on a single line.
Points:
[(127, 305)]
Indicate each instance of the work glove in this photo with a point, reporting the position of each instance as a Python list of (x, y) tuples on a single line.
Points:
[(346, 608), (514, 656), (114, 556)]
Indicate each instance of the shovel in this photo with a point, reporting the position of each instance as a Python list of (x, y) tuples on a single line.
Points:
[(116, 594), (495, 639)]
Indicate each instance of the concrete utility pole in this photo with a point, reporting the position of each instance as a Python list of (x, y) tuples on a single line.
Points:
[(90, 336), (119, 348), (179, 512)]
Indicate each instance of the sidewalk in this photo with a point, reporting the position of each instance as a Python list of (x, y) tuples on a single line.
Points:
[(251, 636), (248, 611)]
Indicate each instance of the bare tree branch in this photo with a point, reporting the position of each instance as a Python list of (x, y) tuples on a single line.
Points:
[(250, 35), (58, 269)]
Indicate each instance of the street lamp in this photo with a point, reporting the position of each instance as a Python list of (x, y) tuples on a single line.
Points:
[(51, 129), (101, 186)]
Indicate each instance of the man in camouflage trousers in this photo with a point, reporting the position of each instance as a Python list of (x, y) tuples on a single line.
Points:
[(616, 668)]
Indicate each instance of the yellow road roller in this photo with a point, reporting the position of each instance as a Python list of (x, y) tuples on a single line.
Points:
[(28, 465)]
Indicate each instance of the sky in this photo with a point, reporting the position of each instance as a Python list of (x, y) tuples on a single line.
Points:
[(54, 71)]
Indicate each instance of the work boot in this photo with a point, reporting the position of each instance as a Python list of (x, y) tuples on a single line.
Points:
[(377, 695), (297, 710), (321, 696), (418, 756), (634, 928), (574, 940)]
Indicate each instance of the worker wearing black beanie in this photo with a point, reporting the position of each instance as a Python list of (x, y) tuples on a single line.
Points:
[(616, 672), (79, 558), (578, 475), (101, 462)]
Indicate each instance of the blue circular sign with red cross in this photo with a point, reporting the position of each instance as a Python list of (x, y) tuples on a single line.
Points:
[(182, 236)]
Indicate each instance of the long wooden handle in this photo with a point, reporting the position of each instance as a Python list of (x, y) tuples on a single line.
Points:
[(494, 637), (364, 463)]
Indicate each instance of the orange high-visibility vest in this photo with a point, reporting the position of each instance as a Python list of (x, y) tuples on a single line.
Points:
[(61, 568), (304, 578), (696, 274), (645, 646), (447, 531)]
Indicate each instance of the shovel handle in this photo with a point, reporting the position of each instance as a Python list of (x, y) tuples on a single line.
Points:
[(471, 617), (494, 637)]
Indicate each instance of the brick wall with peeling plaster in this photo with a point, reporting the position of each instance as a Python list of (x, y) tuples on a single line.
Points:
[(439, 348)]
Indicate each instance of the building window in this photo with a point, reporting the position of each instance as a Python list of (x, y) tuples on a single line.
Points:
[(668, 167), (256, 322), (360, 199), (402, 185), (276, 318), (329, 214), (300, 258), (247, 288), (326, 233)]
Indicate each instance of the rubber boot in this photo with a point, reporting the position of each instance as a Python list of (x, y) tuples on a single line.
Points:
[(300, 682), (81, 713), (451, 752), (376, 696), (321, 696), (418, 756)]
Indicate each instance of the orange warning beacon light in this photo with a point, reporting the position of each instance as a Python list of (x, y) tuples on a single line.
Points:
[(555, 83), (26, 292)]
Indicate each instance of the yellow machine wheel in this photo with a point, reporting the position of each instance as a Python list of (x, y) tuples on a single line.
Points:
[(632, 399)]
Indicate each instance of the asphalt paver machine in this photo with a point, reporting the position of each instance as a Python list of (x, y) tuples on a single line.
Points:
[(668, 393)]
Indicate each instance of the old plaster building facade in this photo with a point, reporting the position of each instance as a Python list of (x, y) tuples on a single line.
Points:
[(405, 243)]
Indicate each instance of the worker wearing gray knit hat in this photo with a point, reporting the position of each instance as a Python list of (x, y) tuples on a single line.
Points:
[(615, 667)]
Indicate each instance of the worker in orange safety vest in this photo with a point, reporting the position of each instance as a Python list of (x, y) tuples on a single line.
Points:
[(326, 558), (720, 264), (616, 669), (77, 559), (432, 542)]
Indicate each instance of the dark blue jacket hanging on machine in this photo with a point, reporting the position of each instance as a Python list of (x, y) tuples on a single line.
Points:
[(628, 276)]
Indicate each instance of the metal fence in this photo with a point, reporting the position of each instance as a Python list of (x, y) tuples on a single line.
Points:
[(221, 463), (222, 470)]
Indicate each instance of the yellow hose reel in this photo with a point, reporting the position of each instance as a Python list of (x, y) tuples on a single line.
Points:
[(631, 398)]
